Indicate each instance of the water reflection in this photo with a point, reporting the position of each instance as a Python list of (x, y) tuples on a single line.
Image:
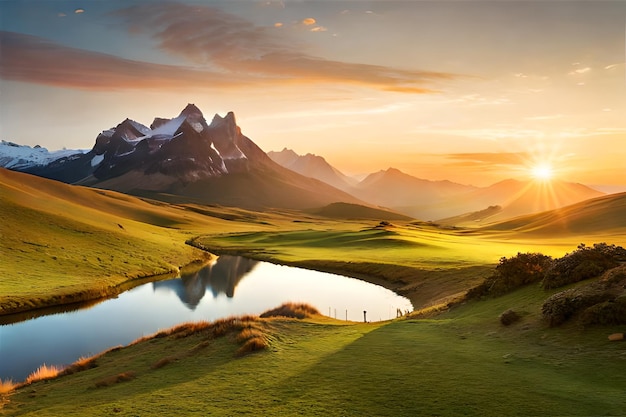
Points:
[(60, 339), (219, 277)]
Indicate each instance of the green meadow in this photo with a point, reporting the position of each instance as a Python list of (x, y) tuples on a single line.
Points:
[(461, 362), (65, 244)]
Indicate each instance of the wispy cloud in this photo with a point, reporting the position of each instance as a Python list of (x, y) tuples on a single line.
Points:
[(37, 60), (221, 49), (580, 71), (489, 158), (546, 117), (208, 36)]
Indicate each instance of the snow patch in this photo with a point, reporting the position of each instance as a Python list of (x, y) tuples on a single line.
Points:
[(95, 161)]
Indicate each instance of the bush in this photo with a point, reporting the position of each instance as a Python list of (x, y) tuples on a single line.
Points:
[(509, 317), (512, 273), (584, 263), (608, 312), (565, 304)]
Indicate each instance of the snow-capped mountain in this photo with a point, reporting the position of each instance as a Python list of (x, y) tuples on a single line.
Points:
[(19, 157), (186, 159)]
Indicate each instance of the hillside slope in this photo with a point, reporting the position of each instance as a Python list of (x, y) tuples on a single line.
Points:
[(63, 243), (604, 215)]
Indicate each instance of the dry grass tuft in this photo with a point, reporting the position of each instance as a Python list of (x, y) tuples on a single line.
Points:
[(83, 363), (7, 386), (42, 373), (123, 377), (249, 333), (252, 345), (226, 325), (162, 362), (294, 310)]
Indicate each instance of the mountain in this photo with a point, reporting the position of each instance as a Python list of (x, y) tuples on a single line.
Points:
[(186, 159), (518, 198), (20, 157), (604, 215), (407, 194), (313, 166)]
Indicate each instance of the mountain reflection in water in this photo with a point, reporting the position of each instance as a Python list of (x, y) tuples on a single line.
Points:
[(219, 277)]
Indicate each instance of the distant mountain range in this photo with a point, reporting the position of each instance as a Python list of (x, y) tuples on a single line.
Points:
[(313, 166), (185, 159), (435, 200)]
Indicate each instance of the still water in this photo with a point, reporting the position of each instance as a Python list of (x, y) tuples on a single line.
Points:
[(231, 286)]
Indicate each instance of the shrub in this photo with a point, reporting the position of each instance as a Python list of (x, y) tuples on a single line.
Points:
[(565, 304), (512, 273), (607, 312), (509, 317), (294, 310), (584, 263)]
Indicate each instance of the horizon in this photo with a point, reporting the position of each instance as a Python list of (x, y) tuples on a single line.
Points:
[(472, 92)]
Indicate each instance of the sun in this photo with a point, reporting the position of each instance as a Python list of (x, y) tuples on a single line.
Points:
[(542, 172)]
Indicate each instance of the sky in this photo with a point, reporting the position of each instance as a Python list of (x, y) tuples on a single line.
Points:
[(469, 91)]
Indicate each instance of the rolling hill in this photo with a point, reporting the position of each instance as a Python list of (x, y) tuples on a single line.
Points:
[(604, 216), (518, 198)]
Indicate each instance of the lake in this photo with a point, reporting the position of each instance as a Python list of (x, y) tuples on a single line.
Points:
[(232, 285)]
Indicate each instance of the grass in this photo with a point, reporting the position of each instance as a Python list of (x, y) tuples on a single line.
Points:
[(436, 362), (42, 373), (427, 264), (461, 362)]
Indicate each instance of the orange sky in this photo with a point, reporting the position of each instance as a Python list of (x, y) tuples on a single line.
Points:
[(474, 92)]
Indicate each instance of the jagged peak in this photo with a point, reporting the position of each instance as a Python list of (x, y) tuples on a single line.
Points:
[(219, 120), (191, 109)]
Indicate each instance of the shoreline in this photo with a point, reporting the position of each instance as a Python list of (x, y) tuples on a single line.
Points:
[(10, 312)]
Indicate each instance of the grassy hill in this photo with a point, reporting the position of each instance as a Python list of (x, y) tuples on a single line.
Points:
[(63, 243), (356, 211), (605, 216), (461, 362)]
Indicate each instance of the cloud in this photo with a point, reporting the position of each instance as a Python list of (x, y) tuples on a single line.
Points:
[(319, 29), (579, 71), (278, 25), (208, 36), (33, 59), (619, 64), (546, 117), (79, 11), (308, 21), (489, 158), (222, 50)]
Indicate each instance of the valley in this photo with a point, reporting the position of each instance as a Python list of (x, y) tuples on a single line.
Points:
[(78, 237)]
